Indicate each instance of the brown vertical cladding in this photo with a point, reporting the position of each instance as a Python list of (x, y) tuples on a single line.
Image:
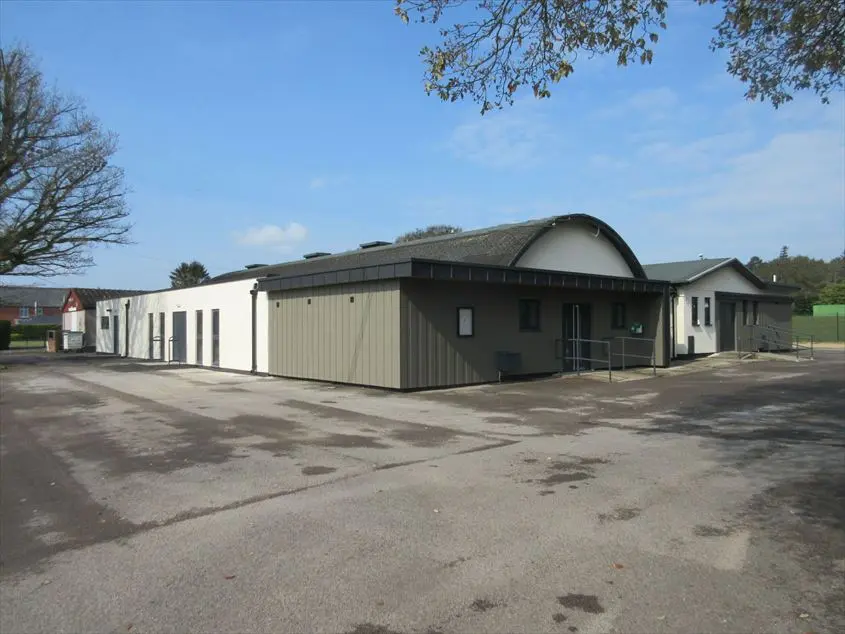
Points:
[(774, 312), (433, 355), (348, 333)]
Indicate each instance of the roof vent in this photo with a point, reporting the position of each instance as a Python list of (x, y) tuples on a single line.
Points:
[(316, 254), (374, 243), (254, 266)]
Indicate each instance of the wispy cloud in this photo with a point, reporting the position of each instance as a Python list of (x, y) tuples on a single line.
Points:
[(789, 190), (324, 181), (274, 236), (652, 103), (704, 153), (607, 162), (514, 138)]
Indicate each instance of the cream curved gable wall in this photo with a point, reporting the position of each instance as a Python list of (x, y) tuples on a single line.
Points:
[(575, 247)]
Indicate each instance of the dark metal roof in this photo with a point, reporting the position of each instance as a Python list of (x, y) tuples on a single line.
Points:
[(32, 295), (462, 272), (686, 272), (90, 296), (494, 246), (682, 272)]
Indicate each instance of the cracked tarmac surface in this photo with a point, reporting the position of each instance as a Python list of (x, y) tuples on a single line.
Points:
[(145, 498)]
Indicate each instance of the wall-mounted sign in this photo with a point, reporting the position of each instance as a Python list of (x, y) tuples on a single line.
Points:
[(465, 324)]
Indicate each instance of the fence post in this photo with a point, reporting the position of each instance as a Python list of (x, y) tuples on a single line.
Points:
[(654, 357), (812, 339), (837, 326), (623, 354), (609, 365)]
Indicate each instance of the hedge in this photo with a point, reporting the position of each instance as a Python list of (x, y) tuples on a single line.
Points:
[(5, 334), (33, 331)]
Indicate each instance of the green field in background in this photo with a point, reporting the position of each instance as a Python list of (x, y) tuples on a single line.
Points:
[(822, 328)]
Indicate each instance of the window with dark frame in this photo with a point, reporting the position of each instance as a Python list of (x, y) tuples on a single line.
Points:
[(104, 322), (618, 317), (529, 315), (755, 315), (707, 321), (745, 312), (466, 325), (694, 311)]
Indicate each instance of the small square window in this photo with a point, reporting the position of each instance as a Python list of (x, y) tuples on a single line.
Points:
[(618, 315), (707, 321), (23, 312), (465, 322), (351, 300), (529, 315), (104, 322)]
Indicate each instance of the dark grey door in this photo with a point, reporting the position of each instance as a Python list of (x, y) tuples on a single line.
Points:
[(199, 337), (179, 334), (161, 340), (150, 336), (115, 333), (576, 328), (215, 337), (727, 326)]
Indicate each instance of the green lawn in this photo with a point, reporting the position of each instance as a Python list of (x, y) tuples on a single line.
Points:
[(17, 344), (822, 328)]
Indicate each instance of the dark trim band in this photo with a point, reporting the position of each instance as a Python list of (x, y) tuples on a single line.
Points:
[(460, 272)]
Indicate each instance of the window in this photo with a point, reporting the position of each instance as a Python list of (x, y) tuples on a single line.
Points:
[(465, 322), (707, 312), (694, 311), (23, 312), (745, 312), (755, 315), (618, 317), (104, 322), (39, 311), (529, 314)]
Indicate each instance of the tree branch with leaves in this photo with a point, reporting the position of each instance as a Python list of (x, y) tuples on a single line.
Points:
[(776, 48), (59, 192)]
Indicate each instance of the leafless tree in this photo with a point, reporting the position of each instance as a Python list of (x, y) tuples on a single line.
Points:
[(59, 192)]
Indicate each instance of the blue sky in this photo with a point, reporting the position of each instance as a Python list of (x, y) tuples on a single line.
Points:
[(259, 131)]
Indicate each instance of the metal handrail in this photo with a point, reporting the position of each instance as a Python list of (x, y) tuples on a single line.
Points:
[(578, 358), (652, 357), (794, 344)]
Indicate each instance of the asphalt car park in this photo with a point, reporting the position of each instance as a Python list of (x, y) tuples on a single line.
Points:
[(148, 497)]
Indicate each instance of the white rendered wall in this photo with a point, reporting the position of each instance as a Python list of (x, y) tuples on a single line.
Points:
[(232, 299), (574, 246), (724, 280)]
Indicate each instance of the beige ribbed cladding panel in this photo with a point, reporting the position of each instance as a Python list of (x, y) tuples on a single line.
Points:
[(335, 339)]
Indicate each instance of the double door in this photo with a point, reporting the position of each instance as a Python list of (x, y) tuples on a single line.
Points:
[(576, 329)]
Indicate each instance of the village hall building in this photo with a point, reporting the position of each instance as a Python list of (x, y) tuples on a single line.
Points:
[(539, 297), (720, 305)]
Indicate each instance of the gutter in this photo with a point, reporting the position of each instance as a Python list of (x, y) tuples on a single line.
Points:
[(254, 294), (126, 328)]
